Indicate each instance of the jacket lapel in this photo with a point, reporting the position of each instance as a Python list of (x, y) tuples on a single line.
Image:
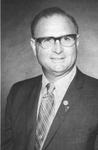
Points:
[(31, 115), (72, 95)]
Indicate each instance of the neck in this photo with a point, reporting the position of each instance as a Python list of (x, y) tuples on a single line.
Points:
[(52, 77)]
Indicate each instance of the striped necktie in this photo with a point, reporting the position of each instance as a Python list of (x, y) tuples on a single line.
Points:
[(45, 117)]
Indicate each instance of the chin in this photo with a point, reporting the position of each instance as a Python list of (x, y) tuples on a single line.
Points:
[(59, 72), (59, 68)]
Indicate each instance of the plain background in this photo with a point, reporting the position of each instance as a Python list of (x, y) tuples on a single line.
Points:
[(18, 61)]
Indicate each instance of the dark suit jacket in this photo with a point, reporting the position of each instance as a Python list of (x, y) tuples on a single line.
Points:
[(72, 129)]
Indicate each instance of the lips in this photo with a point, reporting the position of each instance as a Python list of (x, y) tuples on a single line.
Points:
[(56, 59)]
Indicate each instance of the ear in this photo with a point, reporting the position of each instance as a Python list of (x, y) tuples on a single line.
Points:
[(33, 45), (77, 42)]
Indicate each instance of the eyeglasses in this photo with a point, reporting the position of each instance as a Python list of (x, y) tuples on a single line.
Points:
[(66, 40)]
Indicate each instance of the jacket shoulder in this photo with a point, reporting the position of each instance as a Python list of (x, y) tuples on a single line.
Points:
[(25, 85), (89, 84), (29, 81), (90, 81)]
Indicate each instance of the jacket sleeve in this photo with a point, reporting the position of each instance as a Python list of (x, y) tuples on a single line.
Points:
[(8, 141)]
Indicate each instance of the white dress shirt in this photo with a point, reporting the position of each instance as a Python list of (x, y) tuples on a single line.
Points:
[(61, 86)]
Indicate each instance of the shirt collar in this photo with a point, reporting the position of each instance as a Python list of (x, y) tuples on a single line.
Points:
[(63, 82)]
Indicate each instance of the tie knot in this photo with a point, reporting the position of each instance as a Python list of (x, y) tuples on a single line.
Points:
[(50, 88)]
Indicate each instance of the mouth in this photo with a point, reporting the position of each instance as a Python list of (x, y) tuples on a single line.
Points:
[(55, 59)]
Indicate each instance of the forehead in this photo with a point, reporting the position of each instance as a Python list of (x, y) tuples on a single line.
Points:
[(55, 25)]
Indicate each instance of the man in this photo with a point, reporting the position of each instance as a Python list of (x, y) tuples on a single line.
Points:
[(70, 120)]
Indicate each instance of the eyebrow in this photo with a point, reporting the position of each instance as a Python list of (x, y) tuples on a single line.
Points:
[(42, 38)]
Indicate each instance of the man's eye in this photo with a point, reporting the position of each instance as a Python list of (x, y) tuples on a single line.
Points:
[(67, 38), (47, 40)]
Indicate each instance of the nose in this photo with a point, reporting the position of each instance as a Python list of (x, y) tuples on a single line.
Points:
[(57, 47)]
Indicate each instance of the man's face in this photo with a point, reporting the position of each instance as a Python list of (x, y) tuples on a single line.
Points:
[(56, 60)]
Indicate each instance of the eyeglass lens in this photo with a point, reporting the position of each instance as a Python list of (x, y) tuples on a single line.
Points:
[(67, 40)]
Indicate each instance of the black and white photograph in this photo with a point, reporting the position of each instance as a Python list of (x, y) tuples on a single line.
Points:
[(49, 75)]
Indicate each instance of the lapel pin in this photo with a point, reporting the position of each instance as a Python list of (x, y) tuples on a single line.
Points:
[(66, 108), (65, 103)]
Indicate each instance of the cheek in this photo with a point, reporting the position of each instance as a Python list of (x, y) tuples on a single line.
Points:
[(42, 54), (71, 52)]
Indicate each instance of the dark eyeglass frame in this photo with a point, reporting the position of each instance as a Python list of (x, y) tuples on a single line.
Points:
[(40, 39)]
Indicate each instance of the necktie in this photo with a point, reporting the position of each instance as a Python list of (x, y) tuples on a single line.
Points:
[(45, 117)]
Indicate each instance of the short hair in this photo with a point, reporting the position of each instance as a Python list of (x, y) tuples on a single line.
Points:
[(48, 12)]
